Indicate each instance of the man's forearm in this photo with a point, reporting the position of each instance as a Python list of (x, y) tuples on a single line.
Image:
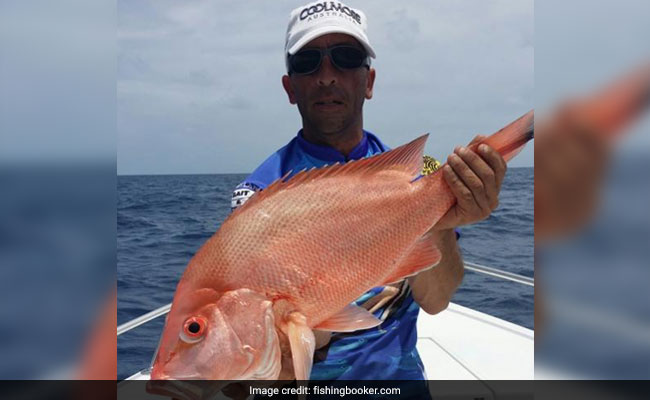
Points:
[(433, 288)]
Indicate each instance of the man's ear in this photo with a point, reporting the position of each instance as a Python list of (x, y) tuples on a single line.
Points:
[(370, 83), (286, 83)]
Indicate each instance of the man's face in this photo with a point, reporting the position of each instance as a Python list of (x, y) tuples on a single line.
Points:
[(330, 100)]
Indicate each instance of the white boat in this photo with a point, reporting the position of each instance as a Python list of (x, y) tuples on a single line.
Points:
[(456, 344)]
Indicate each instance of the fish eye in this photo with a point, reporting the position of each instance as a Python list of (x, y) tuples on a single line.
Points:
[(193, 329)]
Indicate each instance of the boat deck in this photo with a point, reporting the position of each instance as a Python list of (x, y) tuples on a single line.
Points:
[(461, 343)]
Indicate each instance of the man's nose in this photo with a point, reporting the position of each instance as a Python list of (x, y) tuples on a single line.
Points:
[(327, 72)]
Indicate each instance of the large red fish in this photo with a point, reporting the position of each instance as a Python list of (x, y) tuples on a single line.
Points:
[(293, 258)]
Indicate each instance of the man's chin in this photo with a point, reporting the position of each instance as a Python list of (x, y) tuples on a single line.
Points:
[(329, 127)]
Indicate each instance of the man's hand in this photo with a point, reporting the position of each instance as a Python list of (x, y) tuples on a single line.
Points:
[(475, 178)]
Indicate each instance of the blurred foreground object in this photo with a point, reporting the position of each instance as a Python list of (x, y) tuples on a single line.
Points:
[(591, 301), (572, 152), (57, 182), (57, 251), (592, 282), (99, 360)]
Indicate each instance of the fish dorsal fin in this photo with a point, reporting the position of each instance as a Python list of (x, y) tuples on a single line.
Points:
[(350, 319), (423, 255), (303, 344), (406, 158)]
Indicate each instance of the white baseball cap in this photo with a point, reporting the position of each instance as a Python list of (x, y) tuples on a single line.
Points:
[(319, 18)]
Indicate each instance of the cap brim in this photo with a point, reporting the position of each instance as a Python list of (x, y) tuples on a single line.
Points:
[(316, 33)]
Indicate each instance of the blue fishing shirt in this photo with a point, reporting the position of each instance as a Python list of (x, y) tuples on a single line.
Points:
[(386, 352)]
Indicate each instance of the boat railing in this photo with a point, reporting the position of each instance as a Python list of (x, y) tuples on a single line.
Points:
[(494, 272)]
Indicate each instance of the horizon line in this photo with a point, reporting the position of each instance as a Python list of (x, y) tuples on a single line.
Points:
[(218, 173)]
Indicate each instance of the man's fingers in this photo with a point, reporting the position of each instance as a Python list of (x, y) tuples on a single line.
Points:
[(457, 187), (496, 163), (477, 139), (469, 189), (486, 192)]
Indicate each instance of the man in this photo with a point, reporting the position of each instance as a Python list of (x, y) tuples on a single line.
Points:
[(328, 54)]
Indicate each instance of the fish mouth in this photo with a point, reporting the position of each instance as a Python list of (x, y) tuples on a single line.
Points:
[(158, 374), (163, 377)]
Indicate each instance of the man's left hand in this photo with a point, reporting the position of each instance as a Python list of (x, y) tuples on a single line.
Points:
[(475, 179)]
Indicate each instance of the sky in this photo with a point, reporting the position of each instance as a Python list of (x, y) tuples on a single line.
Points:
[(199, 83), (57, 81)]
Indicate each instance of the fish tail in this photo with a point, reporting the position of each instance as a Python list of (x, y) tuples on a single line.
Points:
[(511, 139)]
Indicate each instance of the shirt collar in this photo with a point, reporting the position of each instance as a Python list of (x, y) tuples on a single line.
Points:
[(327, 153)]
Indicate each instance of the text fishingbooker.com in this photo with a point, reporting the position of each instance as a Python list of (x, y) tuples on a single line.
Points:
[(324, 390)]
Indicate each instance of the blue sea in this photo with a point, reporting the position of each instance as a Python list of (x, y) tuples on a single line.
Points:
[(162, 220)]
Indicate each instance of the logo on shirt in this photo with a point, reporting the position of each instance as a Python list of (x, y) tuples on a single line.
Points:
[(240, 195)]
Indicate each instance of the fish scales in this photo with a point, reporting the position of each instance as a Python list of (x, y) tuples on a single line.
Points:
[(321, 241)]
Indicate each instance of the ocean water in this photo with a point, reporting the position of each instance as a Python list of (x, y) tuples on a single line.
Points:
[(162, 220)]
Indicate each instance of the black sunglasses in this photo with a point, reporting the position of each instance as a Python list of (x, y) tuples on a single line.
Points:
[(308, 61)]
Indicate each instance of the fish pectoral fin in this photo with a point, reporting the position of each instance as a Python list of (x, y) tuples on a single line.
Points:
[(350, 319), (303, 344), (423, 255)]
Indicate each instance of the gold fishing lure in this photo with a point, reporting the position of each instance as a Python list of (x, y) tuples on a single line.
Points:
[(430, 165)]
